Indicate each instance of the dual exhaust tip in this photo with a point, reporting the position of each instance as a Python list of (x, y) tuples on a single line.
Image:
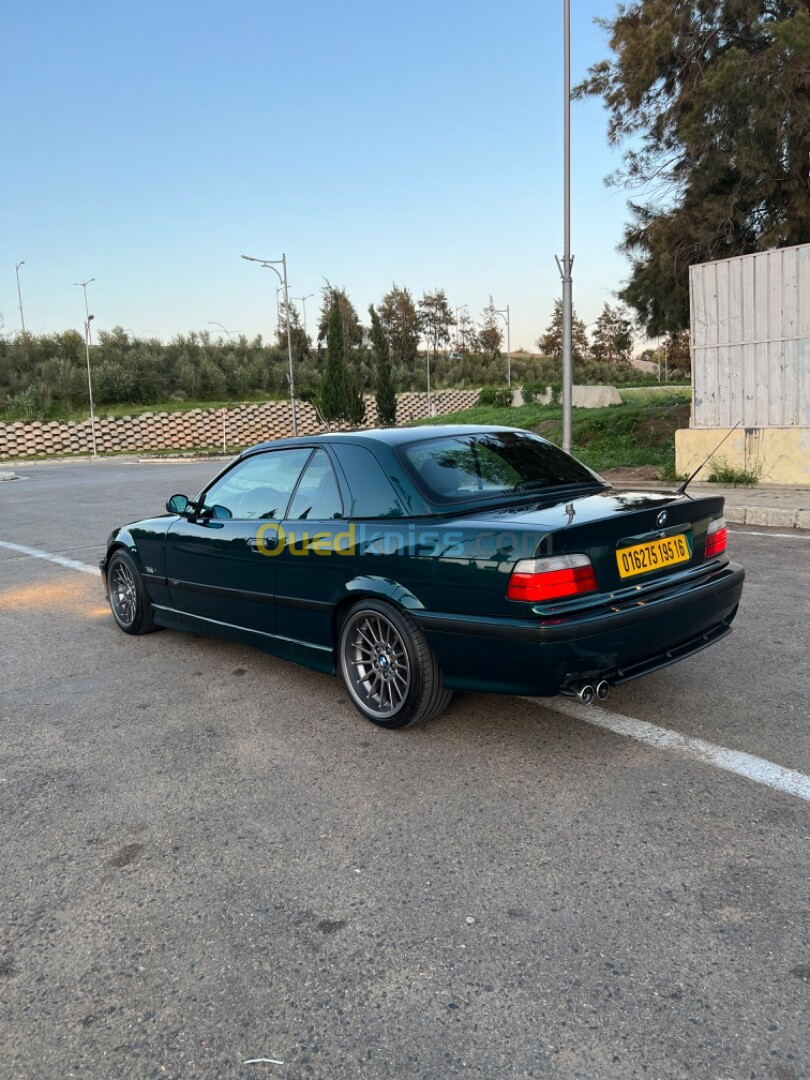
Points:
[(587, 692)]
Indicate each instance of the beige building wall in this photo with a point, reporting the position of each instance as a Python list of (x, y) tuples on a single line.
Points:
[(750, 334), (774, 455)]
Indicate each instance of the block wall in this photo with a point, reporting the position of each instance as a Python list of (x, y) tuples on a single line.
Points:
[(204, 429)]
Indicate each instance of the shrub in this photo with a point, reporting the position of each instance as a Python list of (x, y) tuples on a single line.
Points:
[(24, 405), (499, 396), (112, 383), (534, 393)]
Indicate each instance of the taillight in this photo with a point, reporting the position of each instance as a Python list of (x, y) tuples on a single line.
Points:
[(716, 536), (551, 579)]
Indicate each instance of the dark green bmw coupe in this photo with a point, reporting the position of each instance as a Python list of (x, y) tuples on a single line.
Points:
[(417, 561)]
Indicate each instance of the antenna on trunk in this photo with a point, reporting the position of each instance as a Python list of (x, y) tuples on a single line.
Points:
[(682, 487)]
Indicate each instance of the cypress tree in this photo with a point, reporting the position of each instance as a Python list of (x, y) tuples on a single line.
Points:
[(332, 396), (384, 392)]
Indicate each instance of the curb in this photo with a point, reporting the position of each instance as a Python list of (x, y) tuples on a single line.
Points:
[(772, 517)]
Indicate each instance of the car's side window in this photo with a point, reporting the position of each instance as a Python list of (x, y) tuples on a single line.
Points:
[(258, 487), (372, 493), (317, 497)]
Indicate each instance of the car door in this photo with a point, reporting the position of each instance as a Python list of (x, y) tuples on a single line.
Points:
[(217, 561), (310, 566)]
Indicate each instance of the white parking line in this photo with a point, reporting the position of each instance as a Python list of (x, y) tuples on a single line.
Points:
[(753, 768), (60, 560), (772, 535)]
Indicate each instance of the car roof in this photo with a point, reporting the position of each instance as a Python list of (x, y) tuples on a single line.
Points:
[(382, 436)]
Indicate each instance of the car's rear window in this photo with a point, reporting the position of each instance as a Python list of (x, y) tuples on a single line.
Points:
[(457, 468)]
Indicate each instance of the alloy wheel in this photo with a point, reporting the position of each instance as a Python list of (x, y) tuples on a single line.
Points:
[(375, 664), (123, 593)]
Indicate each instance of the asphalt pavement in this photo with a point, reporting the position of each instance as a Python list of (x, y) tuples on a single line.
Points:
[(212, 866)]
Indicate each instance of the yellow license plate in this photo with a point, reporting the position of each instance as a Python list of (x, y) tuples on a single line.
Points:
[(655, 555)]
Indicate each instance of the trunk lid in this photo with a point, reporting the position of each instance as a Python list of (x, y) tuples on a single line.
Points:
[(631, 537)]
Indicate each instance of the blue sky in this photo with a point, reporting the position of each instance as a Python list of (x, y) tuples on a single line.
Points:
[(148, 146)]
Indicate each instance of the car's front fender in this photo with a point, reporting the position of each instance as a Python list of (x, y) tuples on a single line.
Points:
[(145, 541)]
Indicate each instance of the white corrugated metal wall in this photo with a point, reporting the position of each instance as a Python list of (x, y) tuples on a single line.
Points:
[(751, 340)]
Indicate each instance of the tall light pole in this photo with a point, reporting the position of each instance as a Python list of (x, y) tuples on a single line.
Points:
[(83, 286), (19, 294), (505, 315), (273, 264), (460, 307), (87, 320), (303, 300), (427, 363), (568, 259)]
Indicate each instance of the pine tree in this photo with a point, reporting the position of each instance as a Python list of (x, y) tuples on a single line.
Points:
[(550, 344), (400, 320), (490, 334), (612, 339), (714, 99), (436, 318)]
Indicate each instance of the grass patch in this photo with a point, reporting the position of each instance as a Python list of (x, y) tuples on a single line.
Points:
[(652, 395), (57, 412), (630, 435), (721, 472)]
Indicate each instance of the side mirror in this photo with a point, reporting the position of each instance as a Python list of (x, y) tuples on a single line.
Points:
[(177, 504)]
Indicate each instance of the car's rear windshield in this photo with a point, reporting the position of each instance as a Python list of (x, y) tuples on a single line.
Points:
[(457, 468)]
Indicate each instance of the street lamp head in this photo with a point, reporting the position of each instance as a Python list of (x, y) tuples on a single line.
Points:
[(265, 262), (19, 264)]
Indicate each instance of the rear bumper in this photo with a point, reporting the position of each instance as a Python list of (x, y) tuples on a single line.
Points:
[(542, 656)]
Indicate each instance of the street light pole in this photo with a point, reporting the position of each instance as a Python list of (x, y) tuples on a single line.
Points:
[(272, 264), (458, 332), (505, 315), (87, 319), (83, 285), (427, 361), (303, 300), (567, 263), (213, 322), (19, 294)]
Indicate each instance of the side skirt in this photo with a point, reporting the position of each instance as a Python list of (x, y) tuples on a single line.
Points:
[(316, 657)]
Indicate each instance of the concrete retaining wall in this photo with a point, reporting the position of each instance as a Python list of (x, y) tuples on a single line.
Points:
[(239, 426), (582, 397)]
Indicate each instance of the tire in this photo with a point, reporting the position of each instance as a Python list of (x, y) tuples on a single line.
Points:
[(130, 605), (387, 667)]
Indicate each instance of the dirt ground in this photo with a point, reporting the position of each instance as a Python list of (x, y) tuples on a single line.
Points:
[(641, 474)]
